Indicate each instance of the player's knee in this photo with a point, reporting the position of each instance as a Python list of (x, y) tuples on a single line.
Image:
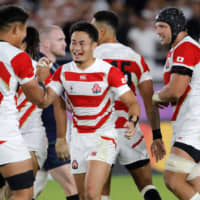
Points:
[(91, 193)]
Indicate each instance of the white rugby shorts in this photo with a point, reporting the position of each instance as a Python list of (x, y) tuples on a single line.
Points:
[(91, 146), (13, 150)]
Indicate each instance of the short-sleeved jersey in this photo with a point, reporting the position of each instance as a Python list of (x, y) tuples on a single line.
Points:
[(131, 64), (15, 68), (184, 58), (29, 114), (91, 93)]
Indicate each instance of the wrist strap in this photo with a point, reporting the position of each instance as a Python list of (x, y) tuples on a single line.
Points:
[(130, 119), (157, 134), (42, 85)]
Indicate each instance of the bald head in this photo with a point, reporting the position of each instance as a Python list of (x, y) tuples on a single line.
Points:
[(52, 42)]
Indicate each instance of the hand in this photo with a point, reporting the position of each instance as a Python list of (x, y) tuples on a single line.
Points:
[(131, 130), (158, 149), (43, 68), (62, 150)]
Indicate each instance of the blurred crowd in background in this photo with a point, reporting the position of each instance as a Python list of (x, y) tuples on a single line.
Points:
[(136, 28)]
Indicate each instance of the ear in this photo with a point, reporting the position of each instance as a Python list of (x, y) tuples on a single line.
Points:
[(15, 29), (102, 31), (46, 43)]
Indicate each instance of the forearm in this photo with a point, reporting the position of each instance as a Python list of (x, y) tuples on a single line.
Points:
[(60, 117)]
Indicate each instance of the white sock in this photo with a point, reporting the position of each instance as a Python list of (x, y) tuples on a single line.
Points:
[(105, 197), (196, 197), (146, 188)]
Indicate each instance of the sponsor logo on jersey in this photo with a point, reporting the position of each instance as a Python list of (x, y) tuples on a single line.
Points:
[(123, 80), (82, 77), (96, 88), (74, 164)]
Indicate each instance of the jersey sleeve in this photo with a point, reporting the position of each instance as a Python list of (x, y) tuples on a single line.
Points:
[(56, 83), (146, 75), (23, 68), (186, 56), (117, 81)]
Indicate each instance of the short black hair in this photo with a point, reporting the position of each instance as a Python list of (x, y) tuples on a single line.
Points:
[(32, 40), (84, 27), (107, 17), (10, 14)]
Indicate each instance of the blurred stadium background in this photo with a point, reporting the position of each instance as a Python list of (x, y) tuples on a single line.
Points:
[(136, 30)]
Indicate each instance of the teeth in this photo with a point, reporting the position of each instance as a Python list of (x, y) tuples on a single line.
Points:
[(77, 54)]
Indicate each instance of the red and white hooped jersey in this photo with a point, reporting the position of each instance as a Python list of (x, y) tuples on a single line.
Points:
[(186, 111), (29, 114), (131, 64), (91, 93), (15, 68)]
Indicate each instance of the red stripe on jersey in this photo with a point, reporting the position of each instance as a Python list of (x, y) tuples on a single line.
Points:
[(180, 102), (47, 81), (57, 74), (22, 65), (138, 142), (1, 97), (108, 138), (187, 53), (91, 129), (20, 92), (88, 77), (26, 115), (119, 123), (1, 142), (89, 117), (144, 65), (4, 74), (22, 104), (87, 101), (116, 78), (120, 106)]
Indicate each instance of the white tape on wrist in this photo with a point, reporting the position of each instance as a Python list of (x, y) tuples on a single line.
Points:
[(156, 97)]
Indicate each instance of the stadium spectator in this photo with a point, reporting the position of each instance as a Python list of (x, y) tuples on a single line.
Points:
[(181, 78), (16, 69), (132, 153), (52, 45)]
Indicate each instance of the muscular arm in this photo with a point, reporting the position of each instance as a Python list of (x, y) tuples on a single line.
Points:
[(36, 95), (60, 117), (146, 91), (61, 128), (175, 88), (131, 102)]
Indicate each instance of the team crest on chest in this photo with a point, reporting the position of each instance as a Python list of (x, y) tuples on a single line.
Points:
[(96, 88)]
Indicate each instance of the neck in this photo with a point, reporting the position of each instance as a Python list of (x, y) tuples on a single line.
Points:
[(84, 65), (49, 55), (179, 37), (109, 40)]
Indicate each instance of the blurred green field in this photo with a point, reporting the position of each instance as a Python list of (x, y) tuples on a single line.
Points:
[(122, 188)]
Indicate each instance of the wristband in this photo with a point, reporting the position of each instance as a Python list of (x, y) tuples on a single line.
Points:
[(42, 86), (157, 134), (156, 97), (134, 122)]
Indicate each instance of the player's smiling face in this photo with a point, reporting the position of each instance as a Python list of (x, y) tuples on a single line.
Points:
[(164, 31), (82, 47)]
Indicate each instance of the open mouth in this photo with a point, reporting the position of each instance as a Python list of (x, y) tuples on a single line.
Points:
[(78, 53)]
